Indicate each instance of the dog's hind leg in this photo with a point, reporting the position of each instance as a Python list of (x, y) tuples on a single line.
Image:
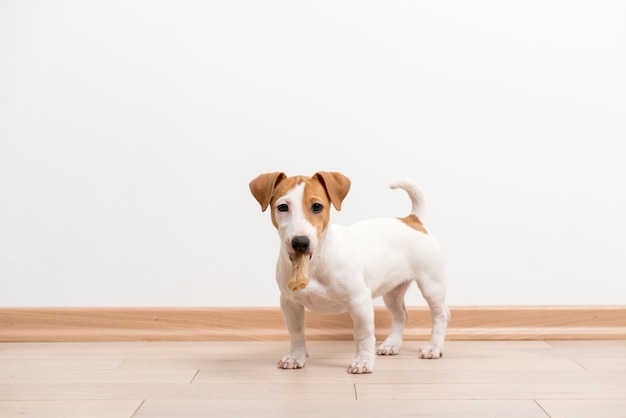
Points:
[(362, 313), (394, 301), (434, 291)]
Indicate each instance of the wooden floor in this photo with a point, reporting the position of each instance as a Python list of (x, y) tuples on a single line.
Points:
[(558, 379)]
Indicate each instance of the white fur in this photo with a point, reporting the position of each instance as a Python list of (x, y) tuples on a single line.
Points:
[(349, 266), (293, 223), (418, 202)]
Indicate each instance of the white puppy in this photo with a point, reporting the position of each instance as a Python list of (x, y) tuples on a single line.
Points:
[(350, 265)]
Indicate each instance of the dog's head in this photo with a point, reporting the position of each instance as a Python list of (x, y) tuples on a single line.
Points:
[(300, 205)]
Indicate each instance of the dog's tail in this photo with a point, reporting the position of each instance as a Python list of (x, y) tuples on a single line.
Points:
[(418, 202)]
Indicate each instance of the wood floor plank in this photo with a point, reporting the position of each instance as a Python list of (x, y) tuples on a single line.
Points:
[(60, 363), (589, 345), (339, 409), (512, 364), (232, 348), (401, 362), (606, 363), (340, 348), (244, 349), (572, 408), (69, 409), (204, 362), (81, 349), (591, 350), (214, 391), (491, 391), (384, 375), (99, 376)]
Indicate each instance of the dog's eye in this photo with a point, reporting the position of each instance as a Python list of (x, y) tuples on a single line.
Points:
[(317, 207), (282, 207)]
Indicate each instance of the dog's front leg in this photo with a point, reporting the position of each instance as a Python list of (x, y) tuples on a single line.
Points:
[(294, 319), (362, 313)]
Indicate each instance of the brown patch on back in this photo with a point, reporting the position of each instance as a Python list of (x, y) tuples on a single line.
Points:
[(415, 223)]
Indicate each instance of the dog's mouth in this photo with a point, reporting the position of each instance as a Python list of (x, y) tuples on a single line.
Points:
[(293, 256)]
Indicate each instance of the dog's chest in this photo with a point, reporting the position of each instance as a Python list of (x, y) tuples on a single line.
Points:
[(323, 294), (317, 299)]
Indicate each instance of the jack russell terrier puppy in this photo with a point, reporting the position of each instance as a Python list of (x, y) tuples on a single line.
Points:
[(348, 266)]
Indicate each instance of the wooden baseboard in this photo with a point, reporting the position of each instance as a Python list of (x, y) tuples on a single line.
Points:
[(263, 324)]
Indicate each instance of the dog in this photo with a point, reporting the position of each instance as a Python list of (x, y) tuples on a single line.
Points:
[(350, 265)]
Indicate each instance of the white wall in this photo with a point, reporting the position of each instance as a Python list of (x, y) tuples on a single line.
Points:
[(129, 131)]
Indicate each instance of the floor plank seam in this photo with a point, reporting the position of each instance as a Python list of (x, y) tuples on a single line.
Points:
[(122, 363), (194, 376), (541, 407), (138, 408)]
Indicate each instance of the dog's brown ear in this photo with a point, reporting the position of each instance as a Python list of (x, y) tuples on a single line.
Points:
[(263, 187), (336, 184)]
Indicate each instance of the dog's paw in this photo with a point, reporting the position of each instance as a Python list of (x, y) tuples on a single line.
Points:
[(293, 361), (389, 348), (431, 351), (361, 365)]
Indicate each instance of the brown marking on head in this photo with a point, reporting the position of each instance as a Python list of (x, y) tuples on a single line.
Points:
[(323, 188), (264, 186), (315, 193), (415, 223), (281, 189), (336, 184)]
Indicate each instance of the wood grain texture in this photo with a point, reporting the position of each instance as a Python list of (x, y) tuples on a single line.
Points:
[(266, 324)]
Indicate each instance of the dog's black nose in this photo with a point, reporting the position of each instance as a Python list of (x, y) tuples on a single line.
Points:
[(300, 244)]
